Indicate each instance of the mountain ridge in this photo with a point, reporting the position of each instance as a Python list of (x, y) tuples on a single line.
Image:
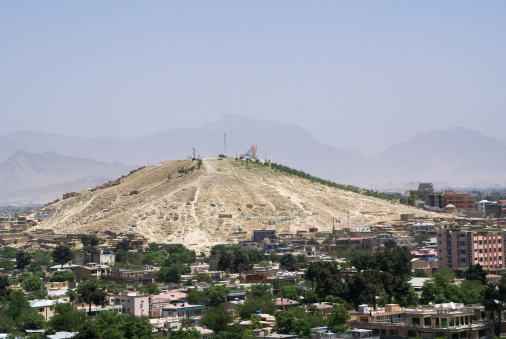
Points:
[(457, 156), (27, 176)]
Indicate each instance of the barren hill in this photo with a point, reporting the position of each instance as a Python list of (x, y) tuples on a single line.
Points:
[(220, 202)]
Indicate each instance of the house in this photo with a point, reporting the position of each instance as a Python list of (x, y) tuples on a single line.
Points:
[(285, 304), (93, 270), (43, 215), (264, 233), (45, 307), (183, 310), (132, 303), (103, 257), (160, 301), (128, 278)]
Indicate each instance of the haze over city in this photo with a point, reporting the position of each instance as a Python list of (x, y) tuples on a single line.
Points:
[(359, 74)]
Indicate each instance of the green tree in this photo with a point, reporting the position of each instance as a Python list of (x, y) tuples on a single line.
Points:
[(195, 297), (62, 255), (291, 292), (476, 273), (302, 260), (89, 245), (216, 295), (312, 241), (88, 331), (91, 292), (289, 263), (17, 307), (338, 320), (155, 258), (33, 320), (123, 245), (7, 265), (189, 333), (67, 318), (216, 318), (471, 292), (31, 283), (63, 276), (150, 289), (169, 275), (311, 297), (286, 323), (23, 259), (41, 258), (110, 324), (494, 300), (8, 252), (4, 287), (258, 299)]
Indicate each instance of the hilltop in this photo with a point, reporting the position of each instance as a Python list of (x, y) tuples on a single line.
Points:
[(220, 202)]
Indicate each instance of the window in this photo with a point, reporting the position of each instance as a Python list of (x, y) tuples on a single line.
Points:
[(481, 259), (462, 243), (449, 260), (426, 321), (415, 321), (463, 260), (481, 251), (439, 235), (449, 244), (480, 242)]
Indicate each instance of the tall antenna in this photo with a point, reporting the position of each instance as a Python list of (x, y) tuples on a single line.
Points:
[(225, 144)]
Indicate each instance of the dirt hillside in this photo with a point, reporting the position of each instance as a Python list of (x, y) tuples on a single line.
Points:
[(220, 202)]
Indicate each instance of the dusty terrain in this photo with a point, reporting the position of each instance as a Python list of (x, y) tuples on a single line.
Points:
[(186, 208)]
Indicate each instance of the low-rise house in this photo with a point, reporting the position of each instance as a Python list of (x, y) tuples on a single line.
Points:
[(96, 309), (128, 278), (324, 308), (45, 307), (92, 270), (103, 257), (285, 304), (160, 301), (132, 303), (183, 310)]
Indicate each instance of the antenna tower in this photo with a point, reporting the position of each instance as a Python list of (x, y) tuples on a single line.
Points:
[(224, 144)]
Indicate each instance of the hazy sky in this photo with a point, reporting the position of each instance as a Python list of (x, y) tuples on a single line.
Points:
[(354, 73)]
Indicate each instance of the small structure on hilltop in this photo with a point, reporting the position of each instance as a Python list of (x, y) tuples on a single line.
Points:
[(251, 153)]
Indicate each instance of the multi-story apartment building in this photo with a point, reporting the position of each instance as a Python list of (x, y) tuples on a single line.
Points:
[(459, 200), (462, 248)]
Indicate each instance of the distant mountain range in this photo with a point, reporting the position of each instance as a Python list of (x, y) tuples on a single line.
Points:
[(40, 178), (448, 158)]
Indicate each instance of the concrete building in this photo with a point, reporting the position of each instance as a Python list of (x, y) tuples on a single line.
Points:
[(127, 278), (43, 215), (259, 235), (133, 303), (459, 200), (45, 307), (462, 248), (452, 321)]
